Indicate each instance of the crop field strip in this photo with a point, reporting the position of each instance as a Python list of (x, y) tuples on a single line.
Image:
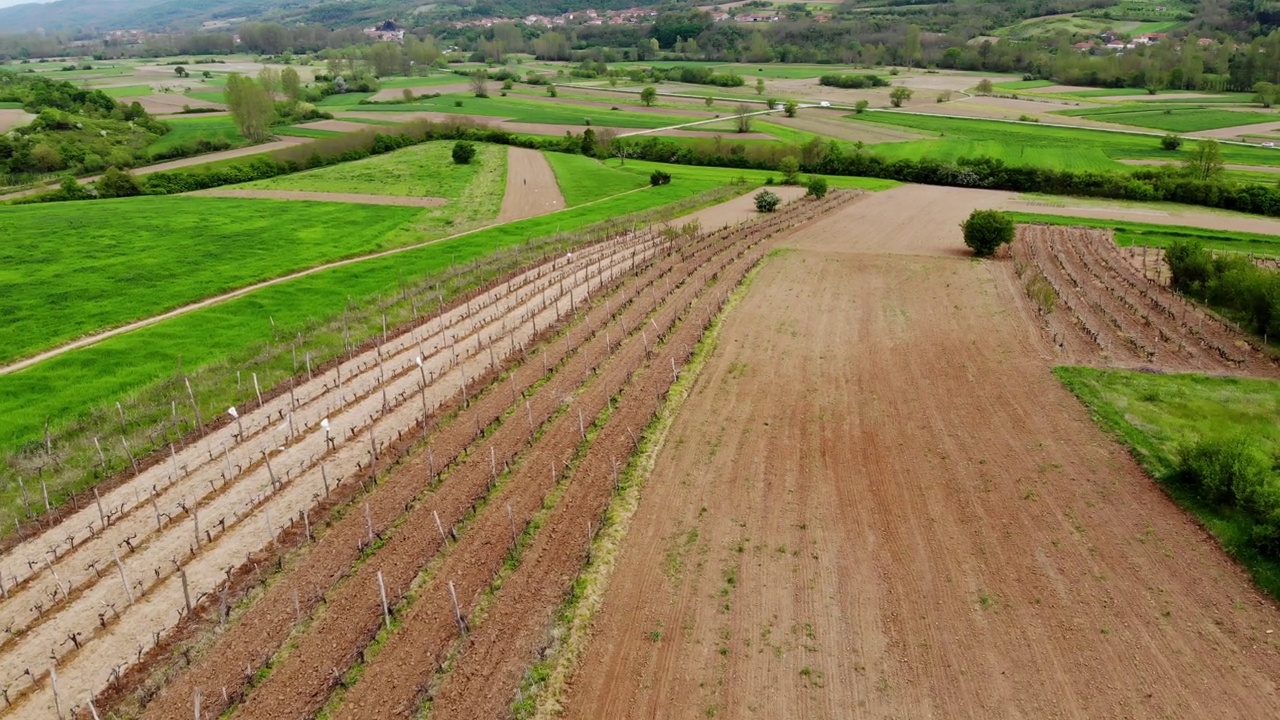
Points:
[(363, 377), (1115, 310), (400, 512), (482, 470)]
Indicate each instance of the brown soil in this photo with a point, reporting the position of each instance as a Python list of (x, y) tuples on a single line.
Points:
[(531, 186), (1238, 130), (392, 94), (930, 526), (1251, 168), (738, 210), (1109, 313), (326, 197), (341, 126), (10, 119), (168, 104), (1174, 215)]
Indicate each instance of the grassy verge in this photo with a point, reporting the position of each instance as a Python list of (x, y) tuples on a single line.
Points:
[(1155, 415), (1132, 233), (535, 111), (425, 170), (1176, 119)]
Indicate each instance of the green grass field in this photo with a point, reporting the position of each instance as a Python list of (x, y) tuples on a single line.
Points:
[(187, 130), (1023, 84), (536, 111), (1140, 234), (345, 100), (127, 91), (1155, 414), (425, 170), (1179, 119), (73, 269), (583, 179), (69, 386), (216, 96), (294, 131), (1039, 145), (10, 106)]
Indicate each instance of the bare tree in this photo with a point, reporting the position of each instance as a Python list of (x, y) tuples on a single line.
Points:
[(604, 142), (479, 80), (742, 118)]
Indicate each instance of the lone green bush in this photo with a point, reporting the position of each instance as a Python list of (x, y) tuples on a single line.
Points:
[(659, 177), (817, 187), (767, 202), (463, 152), (1170, 142), (986, 230)]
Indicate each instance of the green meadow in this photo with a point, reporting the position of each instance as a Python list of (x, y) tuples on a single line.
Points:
[(70, 269), (189, 130), (534, 111), (1175, 119)]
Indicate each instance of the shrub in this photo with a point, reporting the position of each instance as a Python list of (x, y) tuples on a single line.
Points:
[(1170, 142), (1225, 469), (463, 152), (659, 177), (817, 187), (852, 82), (986, 230), (899, 95), (114, 184), (789, 108), (767, 202), (861, 106)]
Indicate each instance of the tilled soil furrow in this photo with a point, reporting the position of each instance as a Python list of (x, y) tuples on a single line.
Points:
[(483, 680), (204, 570), (299, 685), (269, 622), (393, 682)]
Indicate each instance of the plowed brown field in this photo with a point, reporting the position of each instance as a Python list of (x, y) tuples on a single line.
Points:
[(878, 502)]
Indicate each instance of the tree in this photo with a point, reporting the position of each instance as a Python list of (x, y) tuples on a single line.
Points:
[(986, 230), (759, 86), (1266, 93), (270, 80), (1205, 161), (291, 84), (1170, 142), (767, 202), (588, 142), (648, 95), (407, 95), (771, 103), (71, 190), (479, 80), (985, 86), (387, 58), (463, 152), (551, 91), (911, 45), (899, 95), (115, 184), (861, 106), (789, 108), (659, 177), (817, 187), (180, 71), (790, 169), (604, 143), (742, 118), (708, 101), (251, 106)]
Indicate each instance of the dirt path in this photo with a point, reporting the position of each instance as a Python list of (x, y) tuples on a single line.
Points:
[(325, 197), (929, 527), (531, 186), (1174, 215), (10, 119)]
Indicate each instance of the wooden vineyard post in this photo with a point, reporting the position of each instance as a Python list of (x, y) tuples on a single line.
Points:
[(257, 389), (57, 701), (457, 611), (195, 519), (102, 458), (186, 593), (512, 522), (93, 711), (44, 488), (195, 703), (382, 592), (128, 451), (266, 522), (368, 522), (128, 592), (324, 477), (194, 405), (443, 538)]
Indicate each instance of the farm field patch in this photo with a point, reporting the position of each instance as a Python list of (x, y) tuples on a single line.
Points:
[(583, 179), (1053, 147), (533, 111), (421, 170), (73, 269), (776, 571), (189, 130), (1178, 120)]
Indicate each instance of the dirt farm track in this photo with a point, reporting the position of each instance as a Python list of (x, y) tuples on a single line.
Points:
[(876, 501)]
